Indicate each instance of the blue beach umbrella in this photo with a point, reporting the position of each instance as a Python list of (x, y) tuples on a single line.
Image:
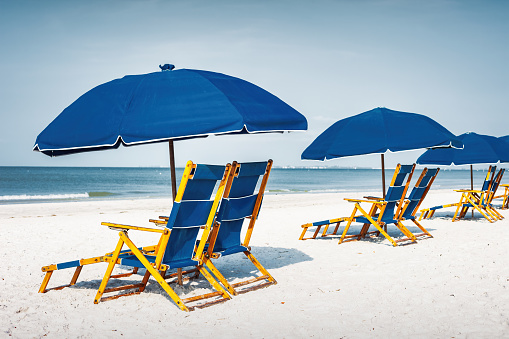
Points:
[(378, 131), (478, 149), (164, 107)]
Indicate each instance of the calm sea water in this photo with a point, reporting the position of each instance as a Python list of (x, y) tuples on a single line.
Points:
[(42, 184)]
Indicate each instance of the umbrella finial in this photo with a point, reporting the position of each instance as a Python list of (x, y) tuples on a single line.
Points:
[(167, 67)]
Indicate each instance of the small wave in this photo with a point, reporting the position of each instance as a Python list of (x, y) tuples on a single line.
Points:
[(99, 194), (43, 197)]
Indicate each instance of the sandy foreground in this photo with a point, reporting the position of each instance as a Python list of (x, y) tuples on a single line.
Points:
[(454, 285)]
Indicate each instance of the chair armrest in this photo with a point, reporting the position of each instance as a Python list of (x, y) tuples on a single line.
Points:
[(469, 191), (128, 227), (361, 200), (373, 198)]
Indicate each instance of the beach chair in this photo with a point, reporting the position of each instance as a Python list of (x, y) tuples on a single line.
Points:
[(480, 200), (494, 188), (236, 219), (325, 224), (376, 204), (428, 213), (416, 197), (180, 244), (389, 209)]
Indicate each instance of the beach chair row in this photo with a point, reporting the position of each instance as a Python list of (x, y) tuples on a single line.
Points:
[(478, 200), (201, 228), (396, 207), (391, 210)]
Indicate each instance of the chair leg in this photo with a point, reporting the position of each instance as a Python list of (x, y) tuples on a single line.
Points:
[(109, 270), (406, 231), (260, 267), (422, 228), (350, 220), (45, 282), (220, 277), (460, 206), (144, 281), (154, 272)]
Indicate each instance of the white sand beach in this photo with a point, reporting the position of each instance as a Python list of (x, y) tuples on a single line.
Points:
[(452, 286)]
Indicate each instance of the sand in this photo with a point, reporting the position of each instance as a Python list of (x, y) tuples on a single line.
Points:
[(454, 285)]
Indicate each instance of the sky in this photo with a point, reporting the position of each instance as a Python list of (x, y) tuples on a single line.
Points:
[(447, 59)]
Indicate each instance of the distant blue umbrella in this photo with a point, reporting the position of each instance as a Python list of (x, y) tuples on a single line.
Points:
[(478, 149), (163, 107), (377, 131)]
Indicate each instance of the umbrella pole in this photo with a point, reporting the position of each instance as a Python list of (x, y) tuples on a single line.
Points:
[(172, 171), (383, 176)]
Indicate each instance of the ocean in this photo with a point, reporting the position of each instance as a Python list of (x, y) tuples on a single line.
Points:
[(45, 184)]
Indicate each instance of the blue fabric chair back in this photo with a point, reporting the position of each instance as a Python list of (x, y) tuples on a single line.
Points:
[(191, 212), (419, 192), (238, 203), (396, 191), (489, 177)]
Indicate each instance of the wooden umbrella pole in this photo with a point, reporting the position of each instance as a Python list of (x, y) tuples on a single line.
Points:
[(471, 177), (383, 176), (172, 171)]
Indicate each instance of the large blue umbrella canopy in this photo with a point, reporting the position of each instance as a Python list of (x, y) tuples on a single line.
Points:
[(378, 131), (478, 149), (162, 106), (165, 106)]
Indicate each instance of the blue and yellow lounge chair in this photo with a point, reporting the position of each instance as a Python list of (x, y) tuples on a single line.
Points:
[(389, 209), (180, 244), (469, 198), (240, 207), (414, 200), (481, 200), (381, 213)]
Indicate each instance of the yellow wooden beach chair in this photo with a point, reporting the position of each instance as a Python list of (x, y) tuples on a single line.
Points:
[(179, 246), (235, 222), (480, 200), (382, 212), (389, 209), (416, 197)]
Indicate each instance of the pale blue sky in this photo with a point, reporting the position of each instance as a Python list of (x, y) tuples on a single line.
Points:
[(327, 59)]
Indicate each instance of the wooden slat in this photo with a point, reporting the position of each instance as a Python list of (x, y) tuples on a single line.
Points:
[(121, 288), (257, 287), (201, 297), (118, 296), (250, 281)]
